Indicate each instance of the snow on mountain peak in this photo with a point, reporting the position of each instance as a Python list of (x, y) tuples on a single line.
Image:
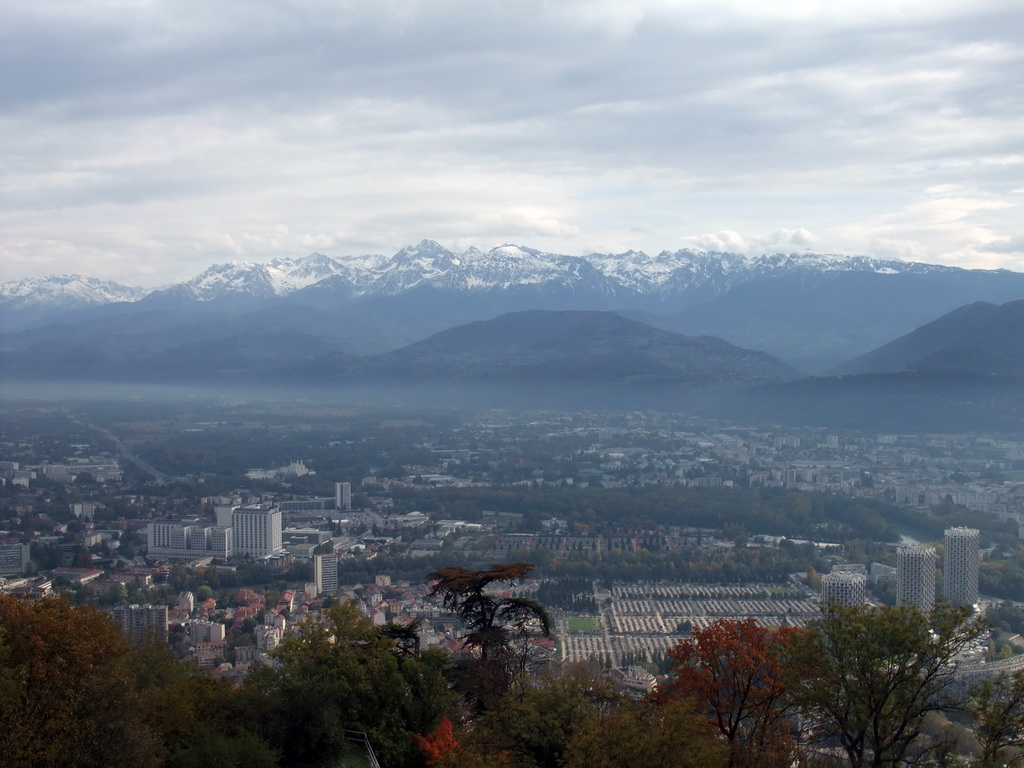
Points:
[(430, 264), (66, 291)]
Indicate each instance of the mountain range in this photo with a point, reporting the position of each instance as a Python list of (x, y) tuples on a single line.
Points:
[(812, 310), (894, 345)]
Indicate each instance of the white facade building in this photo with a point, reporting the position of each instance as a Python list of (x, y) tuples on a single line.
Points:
[(845, 588), (173, 539), (915, 576), (343, 496), (325, 574), (257, 531), (960, 565)]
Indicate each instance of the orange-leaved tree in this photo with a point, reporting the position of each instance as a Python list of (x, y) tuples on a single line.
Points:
[(439, 745), (732, 671)]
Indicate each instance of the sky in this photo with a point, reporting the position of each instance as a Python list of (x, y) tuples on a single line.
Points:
[(144, 140)]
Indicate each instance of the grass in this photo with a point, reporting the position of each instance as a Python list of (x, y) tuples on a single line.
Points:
[(583, 625)]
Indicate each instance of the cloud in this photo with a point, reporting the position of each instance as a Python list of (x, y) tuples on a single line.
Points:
[(1003, 245), (785, 238), (724, 241), (890, 248), (150, 137)]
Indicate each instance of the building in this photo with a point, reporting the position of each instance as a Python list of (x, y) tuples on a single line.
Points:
[(142, 623), (268, 637), (325, 574), (14, 558), (202, 631), (915, 576), (319, 504), (845, 588), (173, 539), (343, 496), (257, 531), (960, 566)]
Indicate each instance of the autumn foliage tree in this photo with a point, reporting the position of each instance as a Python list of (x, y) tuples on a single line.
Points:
[(66, 691), (733, 672), (440, 744)]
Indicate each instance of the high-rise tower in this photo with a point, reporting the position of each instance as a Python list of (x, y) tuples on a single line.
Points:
[(915, 576), (960, 566), (343, 496)]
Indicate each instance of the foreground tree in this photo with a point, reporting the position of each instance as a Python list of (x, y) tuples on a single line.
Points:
[(998, 708), (535, 719), (498, 628), (869, 677), (339, 676), (646, 734), (66, 689), (733, 671)]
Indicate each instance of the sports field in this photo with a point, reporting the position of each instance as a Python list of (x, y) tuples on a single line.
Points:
[(583, 625)]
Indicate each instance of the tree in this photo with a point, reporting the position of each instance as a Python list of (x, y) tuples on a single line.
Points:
[(500, 629), (733, 671), (645, 735), (869, 677), (66, 693), (535, 719), (345, 675), (998, 708), (489, 619)]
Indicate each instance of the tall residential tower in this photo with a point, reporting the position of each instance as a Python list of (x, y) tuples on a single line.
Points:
[(960, 566), (915, 576)]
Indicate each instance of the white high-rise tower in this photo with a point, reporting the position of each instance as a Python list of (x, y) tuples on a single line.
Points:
[(915, 576), (960, 566), (343, 496)]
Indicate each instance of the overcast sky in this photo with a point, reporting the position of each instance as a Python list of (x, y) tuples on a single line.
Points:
[(143, 140)]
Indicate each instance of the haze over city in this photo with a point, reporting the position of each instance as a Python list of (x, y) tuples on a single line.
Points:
[(144, 142)]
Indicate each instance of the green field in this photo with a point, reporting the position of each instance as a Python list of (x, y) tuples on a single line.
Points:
[(583, 625)]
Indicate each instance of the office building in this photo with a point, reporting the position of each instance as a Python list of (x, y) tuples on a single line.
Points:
[(915, 576), (960, 566), (845, 588)]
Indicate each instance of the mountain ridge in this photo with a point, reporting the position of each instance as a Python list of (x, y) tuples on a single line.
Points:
[(812, 310), (428, 263)]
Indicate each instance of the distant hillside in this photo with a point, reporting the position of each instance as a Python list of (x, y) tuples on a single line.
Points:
[(530, 358), (979, 338), (580, 347)]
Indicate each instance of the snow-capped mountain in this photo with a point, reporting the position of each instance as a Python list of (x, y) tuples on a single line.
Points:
[(429, 265), (812, 310), (65, 292)]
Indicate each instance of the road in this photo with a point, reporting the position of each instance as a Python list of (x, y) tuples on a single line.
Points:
[(125, 452)]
